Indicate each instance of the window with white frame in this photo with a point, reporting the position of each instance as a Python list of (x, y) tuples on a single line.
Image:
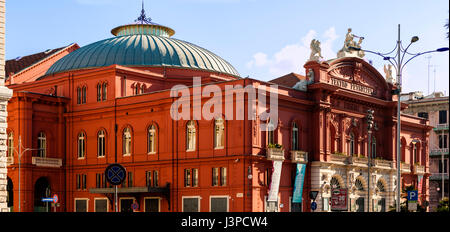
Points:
[(219, 204), (81, 145), (81, 205), (42, 144), (295, 146), (351, 144), (101, 144), (10, 142), (151, 134), (191, 204), (101, 205)]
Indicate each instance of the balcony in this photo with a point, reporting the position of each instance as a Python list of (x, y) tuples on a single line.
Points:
[(358, 160), (338, 157), (419, 169), (46, 162), (275, 154), (405, 168), (440, 127), (380, 163), (439, 152), (299, 157)]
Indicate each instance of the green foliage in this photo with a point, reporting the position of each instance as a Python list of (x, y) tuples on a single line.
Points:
[(276, 145), (443, 205), (339, 153)]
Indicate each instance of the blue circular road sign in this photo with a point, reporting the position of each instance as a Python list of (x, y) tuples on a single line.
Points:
[(313, 205), (115, 174)]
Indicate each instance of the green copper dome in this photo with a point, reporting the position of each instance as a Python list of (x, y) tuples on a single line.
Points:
[(143, 43)]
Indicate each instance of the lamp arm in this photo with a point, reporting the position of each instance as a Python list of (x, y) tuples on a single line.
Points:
[(418, 54), (384, 57)]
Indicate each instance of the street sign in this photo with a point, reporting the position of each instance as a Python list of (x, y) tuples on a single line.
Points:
[(413, 196), (135, 206), (313, 195), (313, 205), (339, 200), (412, 206), (115, 174), (47, 199), (55, 198)]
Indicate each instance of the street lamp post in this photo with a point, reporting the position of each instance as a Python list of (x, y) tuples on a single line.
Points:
[(20, 154), (369, 153), (397, 62)]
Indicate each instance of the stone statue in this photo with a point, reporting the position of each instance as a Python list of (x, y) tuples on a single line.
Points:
[(349, 43), (315, 50), (388, 72), (302, 85)]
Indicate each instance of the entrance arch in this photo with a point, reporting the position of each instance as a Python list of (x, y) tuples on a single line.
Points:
[(41, 190), (10, 196)]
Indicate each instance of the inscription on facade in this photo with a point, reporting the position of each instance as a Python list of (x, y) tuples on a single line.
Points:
[(352, 86)]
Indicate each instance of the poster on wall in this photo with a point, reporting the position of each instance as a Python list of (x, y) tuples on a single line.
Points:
[(339, 199), (275, 184), (298, 185)]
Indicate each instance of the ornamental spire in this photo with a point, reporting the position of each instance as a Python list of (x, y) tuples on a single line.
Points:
[(143, 18)]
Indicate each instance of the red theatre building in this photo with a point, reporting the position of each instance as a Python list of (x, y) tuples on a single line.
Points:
[(76, 110)]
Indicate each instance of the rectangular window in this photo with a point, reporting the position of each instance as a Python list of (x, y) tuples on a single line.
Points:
[(149, 178), (80, 205), (78, 181), (442, 117), (155, 179), (443, 141), (215, 176), (443, 168), (219, 204), (194, 177), (101, 205), (223, 176), (187, 177), (191, 204), (98, 180), (151, 205), (423, 115), (84, 181), (130, 179)]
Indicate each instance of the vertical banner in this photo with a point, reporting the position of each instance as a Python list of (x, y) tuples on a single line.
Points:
[(275, 184), (419, 184), (298, 185)]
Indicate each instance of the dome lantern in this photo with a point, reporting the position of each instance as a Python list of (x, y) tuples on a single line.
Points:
[(143, 25)]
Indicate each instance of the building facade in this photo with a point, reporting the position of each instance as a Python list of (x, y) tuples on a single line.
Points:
[(113, 101), (5, 94), (435, 108)]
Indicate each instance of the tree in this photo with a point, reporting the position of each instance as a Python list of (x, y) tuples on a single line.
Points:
[(443, 205)]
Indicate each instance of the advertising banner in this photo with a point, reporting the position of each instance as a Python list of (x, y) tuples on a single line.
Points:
[(339, 200), (419, 184), (275, 184), (298, 185)]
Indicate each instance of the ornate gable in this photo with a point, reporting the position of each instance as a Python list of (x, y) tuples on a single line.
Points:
[(357, 75)]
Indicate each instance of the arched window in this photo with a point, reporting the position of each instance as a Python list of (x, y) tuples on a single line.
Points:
[(83, 92), (126, 138), (334, 183), (42, 144), (359, 185), (99, 92), (219, 133), (190, 136), (403, 149), (270, 132), (352, 144), (143, 89), (151, 139), (79, 95), (380, 186), (10, 145), (136, 89), (104, 91), (295, 146), (101, 144), (81, 145), (415, 153)]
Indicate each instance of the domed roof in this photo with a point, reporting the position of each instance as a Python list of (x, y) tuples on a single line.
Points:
[(143, 43)]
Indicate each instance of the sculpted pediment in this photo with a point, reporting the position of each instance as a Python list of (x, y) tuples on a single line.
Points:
[(355, 74)]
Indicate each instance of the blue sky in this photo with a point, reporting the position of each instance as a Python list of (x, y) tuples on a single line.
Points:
[(262, 39)]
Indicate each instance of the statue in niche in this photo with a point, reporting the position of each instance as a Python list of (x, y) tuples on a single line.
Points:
[(388, 73), (302, 84), (315, 51), (349, 43)]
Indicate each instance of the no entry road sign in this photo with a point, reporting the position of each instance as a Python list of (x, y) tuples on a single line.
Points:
[(115, 174)]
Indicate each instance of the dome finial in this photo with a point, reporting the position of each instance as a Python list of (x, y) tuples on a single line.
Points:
[(143, 18)]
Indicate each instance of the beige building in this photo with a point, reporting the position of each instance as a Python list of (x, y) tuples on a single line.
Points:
[(435, 108), (5, 95)]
